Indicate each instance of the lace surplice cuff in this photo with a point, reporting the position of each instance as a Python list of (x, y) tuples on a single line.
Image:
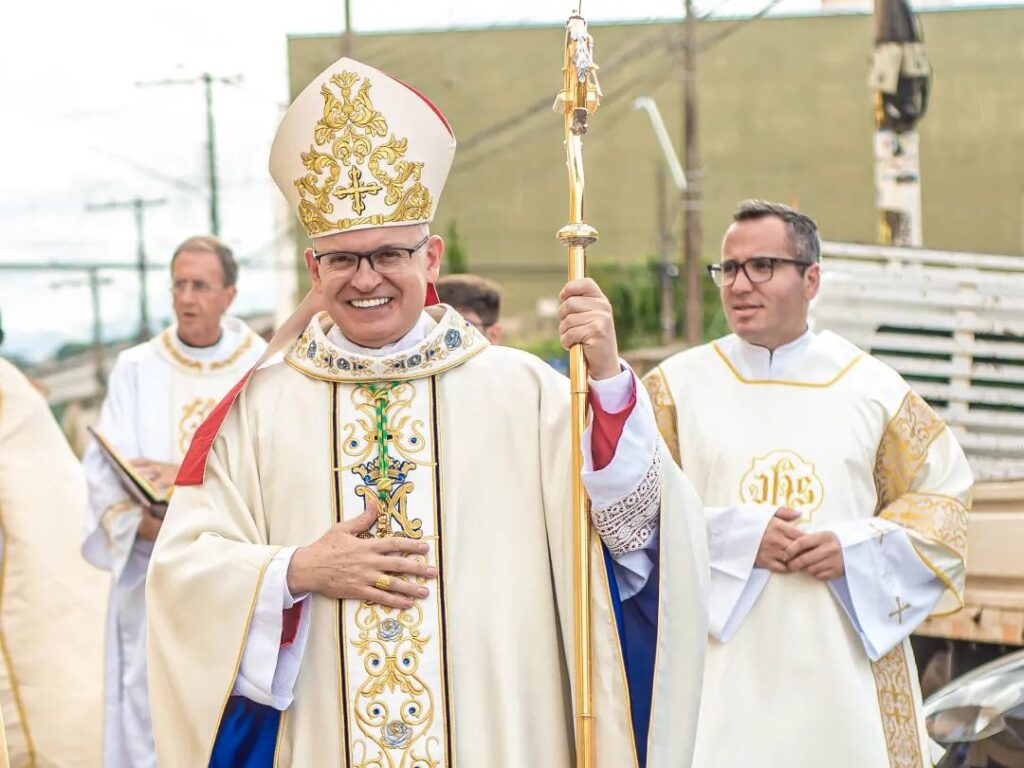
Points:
[(628, 525)]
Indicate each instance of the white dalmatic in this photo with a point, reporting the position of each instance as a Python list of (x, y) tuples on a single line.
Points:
[(815, 673), (159, 392)]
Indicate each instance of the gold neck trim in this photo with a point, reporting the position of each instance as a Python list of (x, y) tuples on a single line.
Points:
[(167, 342), (786, 382), (453, 341)]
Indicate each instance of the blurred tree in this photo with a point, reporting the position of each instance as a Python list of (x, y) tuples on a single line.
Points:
[(454, 253)]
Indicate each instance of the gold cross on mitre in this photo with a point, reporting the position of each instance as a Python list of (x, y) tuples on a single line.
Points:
[(357, 190), (358, 136), (898, 613)]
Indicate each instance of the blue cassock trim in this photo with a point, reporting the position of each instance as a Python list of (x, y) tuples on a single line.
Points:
[(637, 621), (247, 736)]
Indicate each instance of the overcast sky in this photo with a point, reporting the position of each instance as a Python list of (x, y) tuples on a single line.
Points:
[(78, 130)]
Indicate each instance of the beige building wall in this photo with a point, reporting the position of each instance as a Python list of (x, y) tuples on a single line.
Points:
[(785, 113)]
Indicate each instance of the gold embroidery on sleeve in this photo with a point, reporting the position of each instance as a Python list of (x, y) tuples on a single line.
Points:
[(941, 519), (664, 410), (903, 448)]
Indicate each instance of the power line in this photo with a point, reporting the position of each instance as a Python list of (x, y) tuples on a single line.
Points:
[(207, 81), (138, 207)]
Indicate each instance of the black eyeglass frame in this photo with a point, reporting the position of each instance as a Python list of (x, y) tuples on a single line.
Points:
[(716, 269), (370, 256)]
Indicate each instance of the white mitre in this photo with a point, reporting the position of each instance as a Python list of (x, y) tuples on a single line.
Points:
[(360, 149)]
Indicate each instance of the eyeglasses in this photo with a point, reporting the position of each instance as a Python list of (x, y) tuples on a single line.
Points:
[(200, 287), (385, 261), (759, 269)]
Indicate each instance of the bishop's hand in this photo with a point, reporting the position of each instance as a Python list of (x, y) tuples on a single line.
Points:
[(341, 565), (585, 317)]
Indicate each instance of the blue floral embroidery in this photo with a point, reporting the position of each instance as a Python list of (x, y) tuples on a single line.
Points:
[(452, 338)]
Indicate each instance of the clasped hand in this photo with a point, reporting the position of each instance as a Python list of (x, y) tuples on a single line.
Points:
[(785, 548)]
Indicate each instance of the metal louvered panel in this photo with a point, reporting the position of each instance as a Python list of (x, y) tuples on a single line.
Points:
[(952, 323)]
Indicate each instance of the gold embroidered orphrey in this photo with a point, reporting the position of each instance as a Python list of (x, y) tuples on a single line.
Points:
[(393, 661), (347, 141), (665, 415), (901, 454), (192, 415), (896, 702), (783, 479)]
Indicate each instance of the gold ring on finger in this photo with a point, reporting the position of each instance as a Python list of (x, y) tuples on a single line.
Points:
[(383, 582)]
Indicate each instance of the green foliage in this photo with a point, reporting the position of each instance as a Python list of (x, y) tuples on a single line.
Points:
[(454, 253), (635, 293)]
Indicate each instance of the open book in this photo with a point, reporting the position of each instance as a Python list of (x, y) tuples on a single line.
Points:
[(139, 488)]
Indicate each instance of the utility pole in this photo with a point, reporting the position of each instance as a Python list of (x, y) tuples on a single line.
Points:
[(901, 80), (694, 324), (667, 270), (207, 81), (138, 207), (346, 37), (94, 281)]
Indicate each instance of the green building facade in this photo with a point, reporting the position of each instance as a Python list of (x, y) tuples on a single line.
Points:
[(785, 114)]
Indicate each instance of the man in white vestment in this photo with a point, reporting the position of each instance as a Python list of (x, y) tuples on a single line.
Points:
[(158, 394), (836, 509), (51, 602), (367, 561)]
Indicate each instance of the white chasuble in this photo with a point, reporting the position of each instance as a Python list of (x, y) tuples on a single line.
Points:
[(158, 394), (51, 601), (815, 673), (466, 445)]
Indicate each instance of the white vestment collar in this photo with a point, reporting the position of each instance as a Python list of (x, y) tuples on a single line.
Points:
[(756, 362), (816, 359), (418, 333)]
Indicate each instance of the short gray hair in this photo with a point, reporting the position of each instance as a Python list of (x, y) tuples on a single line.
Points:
[(801, 229), (216, 246)]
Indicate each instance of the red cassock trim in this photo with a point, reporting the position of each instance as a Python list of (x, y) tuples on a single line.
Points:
[(608, 429), (193, 466), (291, 618)]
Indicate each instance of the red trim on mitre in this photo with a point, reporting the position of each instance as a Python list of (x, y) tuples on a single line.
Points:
[(193, 466), (432, 297), (428, 102)]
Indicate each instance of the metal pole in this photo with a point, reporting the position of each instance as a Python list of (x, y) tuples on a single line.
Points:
[(667, 269), (211, 154), (138, 206), (140, 250), (97, 326), (694, 325), (580, 96), (346, 39)]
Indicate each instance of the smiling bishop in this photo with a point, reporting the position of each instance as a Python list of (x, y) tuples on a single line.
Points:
[(367, 560)]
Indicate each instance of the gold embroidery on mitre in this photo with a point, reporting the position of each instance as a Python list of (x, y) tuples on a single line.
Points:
[(664, 410), (353, 167), (896, 704), (192, 415), (938, 518), (783, 479), (903, 448)]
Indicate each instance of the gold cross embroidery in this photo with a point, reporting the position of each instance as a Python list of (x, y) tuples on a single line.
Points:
[(898, 613), (357, 190)]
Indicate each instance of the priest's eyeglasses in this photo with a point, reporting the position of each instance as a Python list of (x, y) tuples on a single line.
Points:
[(385, 261), (759, 269)]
